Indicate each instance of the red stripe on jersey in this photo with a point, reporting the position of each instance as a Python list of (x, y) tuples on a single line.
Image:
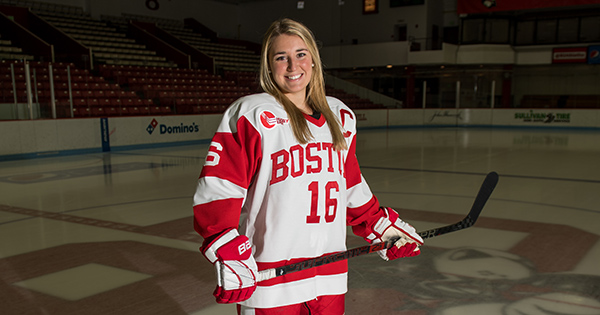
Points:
[(234, 157), (363, 218), (352, 170), (336, 268), (213, 218)]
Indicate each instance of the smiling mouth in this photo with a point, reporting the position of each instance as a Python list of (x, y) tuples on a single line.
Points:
[(294, 77)]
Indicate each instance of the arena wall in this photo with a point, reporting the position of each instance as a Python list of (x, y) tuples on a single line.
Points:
[(38, 138)]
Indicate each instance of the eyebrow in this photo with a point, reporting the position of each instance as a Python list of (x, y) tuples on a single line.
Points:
[(283, 52)]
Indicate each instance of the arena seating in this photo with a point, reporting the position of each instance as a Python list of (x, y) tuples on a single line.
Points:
[(227, 57), (352, 100), (128, 78), (185, 90), (9, 51), (91, 94), (109, 45)]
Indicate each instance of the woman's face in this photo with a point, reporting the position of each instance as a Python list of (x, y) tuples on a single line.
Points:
[(291, 65)]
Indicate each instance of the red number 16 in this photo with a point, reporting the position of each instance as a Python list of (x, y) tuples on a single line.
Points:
[(331, 204)]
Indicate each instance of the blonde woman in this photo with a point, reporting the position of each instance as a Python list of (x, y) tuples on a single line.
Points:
[(284, 161)]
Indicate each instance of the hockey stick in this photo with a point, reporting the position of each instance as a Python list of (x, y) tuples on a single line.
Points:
[(482, 196)]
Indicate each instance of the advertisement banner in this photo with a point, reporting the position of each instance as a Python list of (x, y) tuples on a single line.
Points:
[(543, 117), (594, 54), (570, 55), (145, 130), (485, 6)]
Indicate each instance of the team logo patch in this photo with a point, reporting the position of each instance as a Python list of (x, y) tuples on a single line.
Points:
[(269, 120)]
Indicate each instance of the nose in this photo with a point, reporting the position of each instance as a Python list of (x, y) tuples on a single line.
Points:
[(291, 64)]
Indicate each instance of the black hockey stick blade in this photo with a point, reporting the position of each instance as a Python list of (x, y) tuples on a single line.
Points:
[(489, 183), (482, 196)]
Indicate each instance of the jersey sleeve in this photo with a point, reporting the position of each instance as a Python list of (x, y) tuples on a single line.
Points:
[(231, 162), (363, 207)]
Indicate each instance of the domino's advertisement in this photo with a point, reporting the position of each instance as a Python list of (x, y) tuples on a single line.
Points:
[(136, 131)]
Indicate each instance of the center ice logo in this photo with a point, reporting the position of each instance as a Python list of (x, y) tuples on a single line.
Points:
[(152, 126)]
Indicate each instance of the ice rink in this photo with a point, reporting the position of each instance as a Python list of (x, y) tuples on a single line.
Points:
[(111, 233)]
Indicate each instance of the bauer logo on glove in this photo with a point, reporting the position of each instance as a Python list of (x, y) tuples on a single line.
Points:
[(236, 269)]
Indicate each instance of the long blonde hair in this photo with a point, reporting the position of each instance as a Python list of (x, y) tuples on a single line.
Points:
[(315, 95)]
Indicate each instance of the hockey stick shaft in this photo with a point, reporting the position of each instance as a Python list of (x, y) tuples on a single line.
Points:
[(482, 196)]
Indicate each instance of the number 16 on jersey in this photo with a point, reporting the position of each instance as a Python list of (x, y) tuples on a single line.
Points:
[(330, 192)]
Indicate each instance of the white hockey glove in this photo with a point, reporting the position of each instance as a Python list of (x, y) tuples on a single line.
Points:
[(236, 269), (390, 227)]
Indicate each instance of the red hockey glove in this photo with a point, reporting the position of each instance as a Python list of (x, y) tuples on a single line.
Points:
[(236, 269), (391, 227)]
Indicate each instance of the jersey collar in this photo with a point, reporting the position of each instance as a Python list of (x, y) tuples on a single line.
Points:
[(318, 122)]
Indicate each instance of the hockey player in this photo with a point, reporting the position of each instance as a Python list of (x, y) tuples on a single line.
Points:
[(284, 162)]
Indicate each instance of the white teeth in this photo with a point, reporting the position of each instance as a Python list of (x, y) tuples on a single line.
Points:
[(295, 77)]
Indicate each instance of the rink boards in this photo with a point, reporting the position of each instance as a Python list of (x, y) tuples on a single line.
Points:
[(34, 138)]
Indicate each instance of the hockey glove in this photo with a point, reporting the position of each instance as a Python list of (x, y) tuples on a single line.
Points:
[(236, 269), (390, 227)]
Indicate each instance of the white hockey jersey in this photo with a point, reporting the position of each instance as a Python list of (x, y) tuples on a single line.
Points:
[(294, 200)]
